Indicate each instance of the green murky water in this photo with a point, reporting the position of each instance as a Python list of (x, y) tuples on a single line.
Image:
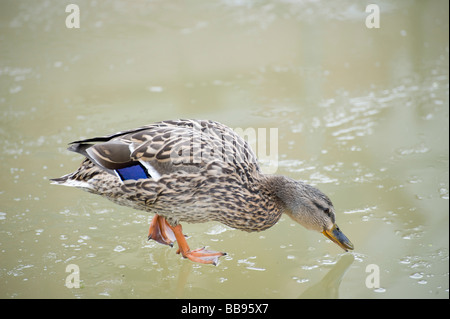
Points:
[(361, 113)]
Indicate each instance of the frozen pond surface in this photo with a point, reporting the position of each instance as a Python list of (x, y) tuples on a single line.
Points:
[(361, 113)]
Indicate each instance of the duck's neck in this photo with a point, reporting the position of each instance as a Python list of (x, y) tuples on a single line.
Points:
[(283, 190)]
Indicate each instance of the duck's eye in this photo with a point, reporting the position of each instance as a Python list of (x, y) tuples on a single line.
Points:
[(329, 213), (326, 210)]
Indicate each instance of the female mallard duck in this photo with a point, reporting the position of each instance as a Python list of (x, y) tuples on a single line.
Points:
[(196, 171)]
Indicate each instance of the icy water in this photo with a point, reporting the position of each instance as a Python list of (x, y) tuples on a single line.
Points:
[(361, 113)]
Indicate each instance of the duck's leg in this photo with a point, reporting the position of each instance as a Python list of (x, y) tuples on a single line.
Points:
[(200, 255), (161, 231)]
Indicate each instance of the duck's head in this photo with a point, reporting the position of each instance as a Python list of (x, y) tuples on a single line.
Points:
[(312, 209)]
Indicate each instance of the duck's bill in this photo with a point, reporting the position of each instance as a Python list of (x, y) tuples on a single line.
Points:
[(335, 235)]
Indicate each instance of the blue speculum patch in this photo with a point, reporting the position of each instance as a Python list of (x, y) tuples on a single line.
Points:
[(135, 172)]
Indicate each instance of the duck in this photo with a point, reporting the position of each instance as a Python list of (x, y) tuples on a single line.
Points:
[(196, 171)]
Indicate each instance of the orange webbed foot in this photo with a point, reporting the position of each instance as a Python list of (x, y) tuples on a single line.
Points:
[(161, 231), (203, 256), (200, 255)]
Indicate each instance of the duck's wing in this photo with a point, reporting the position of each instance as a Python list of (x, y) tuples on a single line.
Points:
[(169, 146)]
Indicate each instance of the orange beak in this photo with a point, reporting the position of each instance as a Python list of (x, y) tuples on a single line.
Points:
[(338, 237)]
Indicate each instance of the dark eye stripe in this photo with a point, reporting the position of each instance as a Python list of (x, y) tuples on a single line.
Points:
[(326, 210)]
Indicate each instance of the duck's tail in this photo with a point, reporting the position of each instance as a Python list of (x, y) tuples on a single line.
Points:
[(80, 178), (69, 180)]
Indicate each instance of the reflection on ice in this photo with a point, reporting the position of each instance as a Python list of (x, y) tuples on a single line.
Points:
[(328, 287)]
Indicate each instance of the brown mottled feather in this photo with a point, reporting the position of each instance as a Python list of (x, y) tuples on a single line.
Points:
[(207, 173), (198, 171)]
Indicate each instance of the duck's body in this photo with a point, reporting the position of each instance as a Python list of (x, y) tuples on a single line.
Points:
[(193, 171)]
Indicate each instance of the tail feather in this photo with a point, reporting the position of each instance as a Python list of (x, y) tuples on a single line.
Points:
[(79, 178), (66, 180), (60, 180)]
